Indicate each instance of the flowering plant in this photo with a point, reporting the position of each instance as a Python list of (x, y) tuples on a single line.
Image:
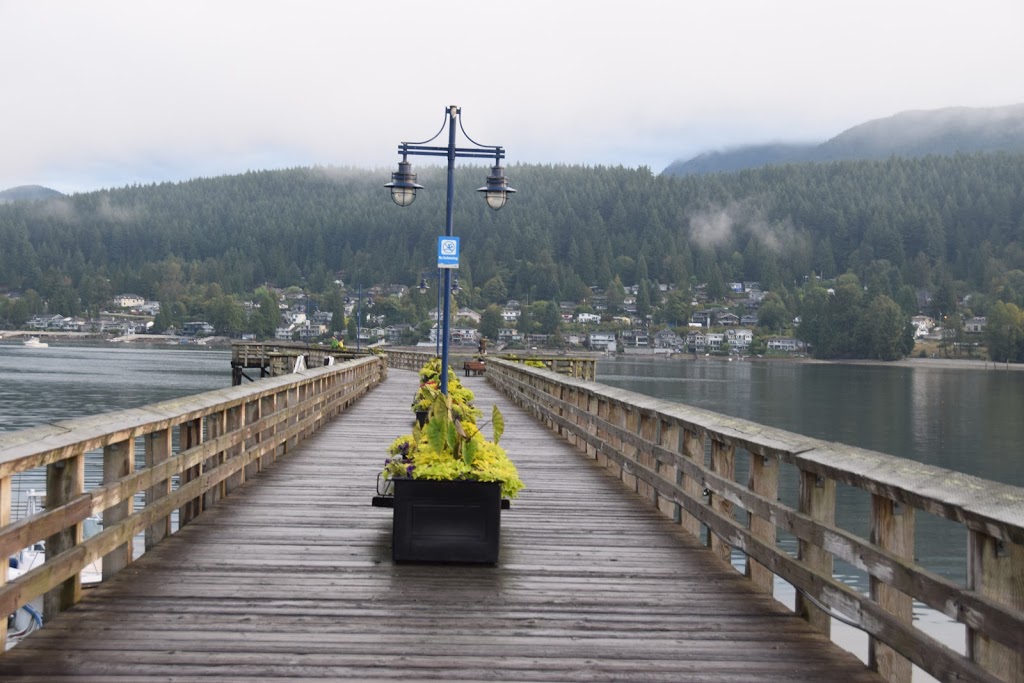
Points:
[(450, 446)]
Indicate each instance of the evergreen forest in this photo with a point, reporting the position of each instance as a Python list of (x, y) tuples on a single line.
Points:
[(940, 234)]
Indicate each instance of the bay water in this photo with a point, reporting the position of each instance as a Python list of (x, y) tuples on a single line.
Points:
[(966, 417)]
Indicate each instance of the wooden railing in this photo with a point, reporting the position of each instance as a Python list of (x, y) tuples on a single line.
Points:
[(583, 367), (683, 460), (224, 437), (275, 358)]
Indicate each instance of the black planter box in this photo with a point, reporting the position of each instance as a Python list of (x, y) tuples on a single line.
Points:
[(446, 521)]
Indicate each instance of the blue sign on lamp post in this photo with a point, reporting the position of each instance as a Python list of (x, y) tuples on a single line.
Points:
[(447, 252), (403, 191)]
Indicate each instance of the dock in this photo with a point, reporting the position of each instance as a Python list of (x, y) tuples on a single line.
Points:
[(616, 562), (290, 578)]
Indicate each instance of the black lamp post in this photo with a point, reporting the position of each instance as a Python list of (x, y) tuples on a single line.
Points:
[(403, 188)]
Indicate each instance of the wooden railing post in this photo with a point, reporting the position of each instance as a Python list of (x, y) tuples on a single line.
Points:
[(817, 501), (892, 529), (232, 423), (764, 481), (190, 435), (995, 569), (158, 449), (648, 429), (723, 463), (5, 519), (118, 461), (693, 448), (669, 435), (630, 422), (215, 427), (64, 481), (252, 415)]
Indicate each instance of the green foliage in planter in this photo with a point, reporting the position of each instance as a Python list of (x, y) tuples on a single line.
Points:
[(450, 446)]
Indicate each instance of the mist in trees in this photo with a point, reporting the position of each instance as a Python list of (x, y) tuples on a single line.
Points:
[(953, 226)]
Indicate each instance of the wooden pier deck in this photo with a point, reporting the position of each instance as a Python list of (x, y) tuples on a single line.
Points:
[(290, 578)]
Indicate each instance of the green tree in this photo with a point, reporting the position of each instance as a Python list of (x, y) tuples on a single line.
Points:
[(773, 315), (267, 318), (494, 291), (677, 309), (884, 327), (549, 317), (490, 322), (643, 300), (525, 323), (1004, 332)]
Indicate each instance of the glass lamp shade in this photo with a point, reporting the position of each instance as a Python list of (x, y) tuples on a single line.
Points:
[(403, 196), (496, 191), (496, 200), (403, 184)]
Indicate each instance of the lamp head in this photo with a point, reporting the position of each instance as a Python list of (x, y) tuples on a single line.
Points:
[(403, 184), (496, 191), (423, 285)]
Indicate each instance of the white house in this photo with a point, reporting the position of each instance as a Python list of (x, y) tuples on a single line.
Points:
[(975, 325), (128, 300), (510, 315), (785, 344), (602, 341), (588, 318), (739, 338)]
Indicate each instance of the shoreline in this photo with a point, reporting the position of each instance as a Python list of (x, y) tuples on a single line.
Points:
[(909, 362)]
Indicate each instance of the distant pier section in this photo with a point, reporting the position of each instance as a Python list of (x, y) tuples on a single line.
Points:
[(255, 360)]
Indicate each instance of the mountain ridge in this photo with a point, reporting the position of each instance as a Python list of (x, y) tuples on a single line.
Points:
[(912, 133), (28, 193)]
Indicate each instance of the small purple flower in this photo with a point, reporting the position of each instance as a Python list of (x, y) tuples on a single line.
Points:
[(409, 469)]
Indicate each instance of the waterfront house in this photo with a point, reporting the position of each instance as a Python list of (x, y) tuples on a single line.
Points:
[(976, 325), (787, 344), (128, 300), (602, 341), (739, 338)]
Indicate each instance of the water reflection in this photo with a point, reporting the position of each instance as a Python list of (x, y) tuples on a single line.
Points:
[(967, 420)]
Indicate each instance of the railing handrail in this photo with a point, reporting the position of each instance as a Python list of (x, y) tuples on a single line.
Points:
[(225, 436), (659, 450)]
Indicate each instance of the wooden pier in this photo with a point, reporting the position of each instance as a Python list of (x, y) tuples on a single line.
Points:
[(283, 570)]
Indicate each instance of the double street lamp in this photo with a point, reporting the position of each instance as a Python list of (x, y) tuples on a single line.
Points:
[(403, 188)]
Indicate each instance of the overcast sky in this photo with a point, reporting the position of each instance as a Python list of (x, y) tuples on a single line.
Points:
[(105, 94)]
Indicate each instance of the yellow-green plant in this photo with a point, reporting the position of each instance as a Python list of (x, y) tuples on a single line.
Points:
[(450, 446)]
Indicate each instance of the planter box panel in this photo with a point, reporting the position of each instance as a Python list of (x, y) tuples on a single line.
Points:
[(446, 521)]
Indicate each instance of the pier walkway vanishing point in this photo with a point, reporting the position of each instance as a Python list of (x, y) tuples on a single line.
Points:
[(290, 578)]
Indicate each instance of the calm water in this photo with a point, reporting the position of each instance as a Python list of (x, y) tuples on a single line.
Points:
[(968, 420), (66, 381), (69, 381)]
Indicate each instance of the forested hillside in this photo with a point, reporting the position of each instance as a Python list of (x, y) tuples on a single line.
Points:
[(953, 225), (906, 134)]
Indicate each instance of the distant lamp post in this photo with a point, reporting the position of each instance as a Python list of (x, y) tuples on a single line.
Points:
[(403, 188)]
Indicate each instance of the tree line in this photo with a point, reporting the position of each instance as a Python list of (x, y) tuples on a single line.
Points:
[(948, 226)]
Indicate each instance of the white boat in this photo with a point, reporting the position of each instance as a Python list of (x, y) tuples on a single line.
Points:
[(34, 343), (28, 618)]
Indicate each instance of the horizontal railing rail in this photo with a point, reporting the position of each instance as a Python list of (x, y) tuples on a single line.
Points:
[(224, 438), (583, 367), (683, 460)]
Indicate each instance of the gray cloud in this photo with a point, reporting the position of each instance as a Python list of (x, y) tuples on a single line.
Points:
[(118, 92)]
